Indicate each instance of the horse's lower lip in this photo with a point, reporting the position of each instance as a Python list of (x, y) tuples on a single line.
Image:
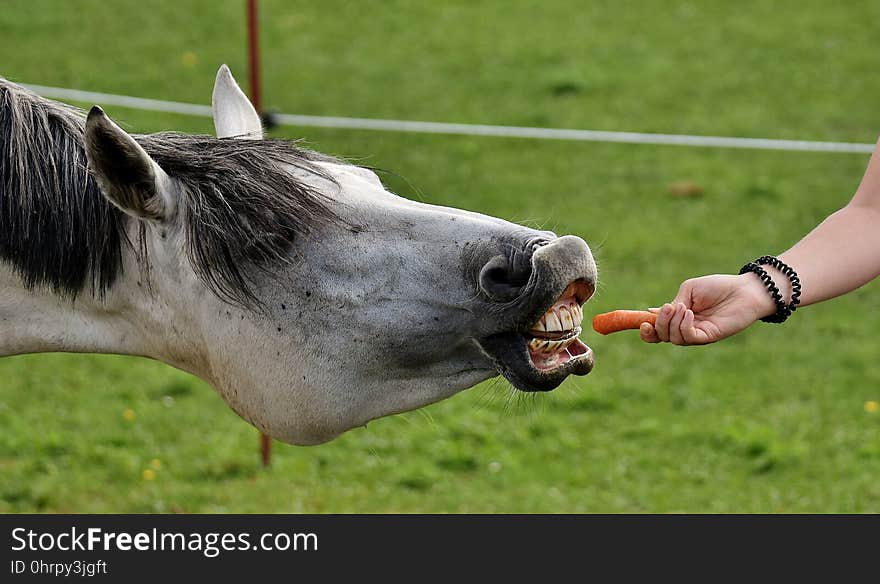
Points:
[(510, 353)]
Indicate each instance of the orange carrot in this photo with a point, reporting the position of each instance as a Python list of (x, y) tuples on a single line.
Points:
[(621, 320)]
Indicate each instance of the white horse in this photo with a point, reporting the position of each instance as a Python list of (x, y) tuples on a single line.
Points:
[(308, 295)]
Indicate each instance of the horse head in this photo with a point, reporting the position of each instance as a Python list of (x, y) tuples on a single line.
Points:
[(309, 295)]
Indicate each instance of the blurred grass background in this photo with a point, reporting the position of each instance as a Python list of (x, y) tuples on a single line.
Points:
[(778, 419)]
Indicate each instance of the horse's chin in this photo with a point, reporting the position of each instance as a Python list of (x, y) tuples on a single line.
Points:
[(547, 352)]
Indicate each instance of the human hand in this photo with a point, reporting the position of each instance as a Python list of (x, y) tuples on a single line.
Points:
[(709, 309)]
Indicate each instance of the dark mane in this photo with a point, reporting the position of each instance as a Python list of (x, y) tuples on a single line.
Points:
[(55, 229), (240, 207)]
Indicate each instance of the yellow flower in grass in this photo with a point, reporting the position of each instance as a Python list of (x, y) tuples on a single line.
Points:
[(149, 474), (189, 59), (871, 406), (128, 415), (155, 464)]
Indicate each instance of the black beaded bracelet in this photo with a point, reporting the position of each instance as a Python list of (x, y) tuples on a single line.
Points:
[(783, 309)]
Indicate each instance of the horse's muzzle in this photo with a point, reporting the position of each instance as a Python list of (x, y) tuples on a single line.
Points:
[(543, 347)]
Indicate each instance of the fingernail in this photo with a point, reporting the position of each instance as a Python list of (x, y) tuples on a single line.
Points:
[(667, 309)]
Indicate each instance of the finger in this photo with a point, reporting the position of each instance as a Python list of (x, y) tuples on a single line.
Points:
[(662, 324), (697, 335), (675, 336), (654, 310), (648, 334), (688, 331)]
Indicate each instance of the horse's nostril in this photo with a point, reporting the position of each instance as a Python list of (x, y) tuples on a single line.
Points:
[(500, 281), (535, 243)]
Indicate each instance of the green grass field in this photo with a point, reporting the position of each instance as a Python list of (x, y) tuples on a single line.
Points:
[(774, 420)]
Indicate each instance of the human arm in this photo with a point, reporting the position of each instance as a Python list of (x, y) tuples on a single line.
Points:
[(839, 255)]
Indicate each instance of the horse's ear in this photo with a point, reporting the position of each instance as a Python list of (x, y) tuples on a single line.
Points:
[(234, 114), (126, 174)]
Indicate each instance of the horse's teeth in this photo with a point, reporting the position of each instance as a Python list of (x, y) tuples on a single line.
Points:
[(560, 317), (553, 324), (541, 346), (549, 347), (565, 319)]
